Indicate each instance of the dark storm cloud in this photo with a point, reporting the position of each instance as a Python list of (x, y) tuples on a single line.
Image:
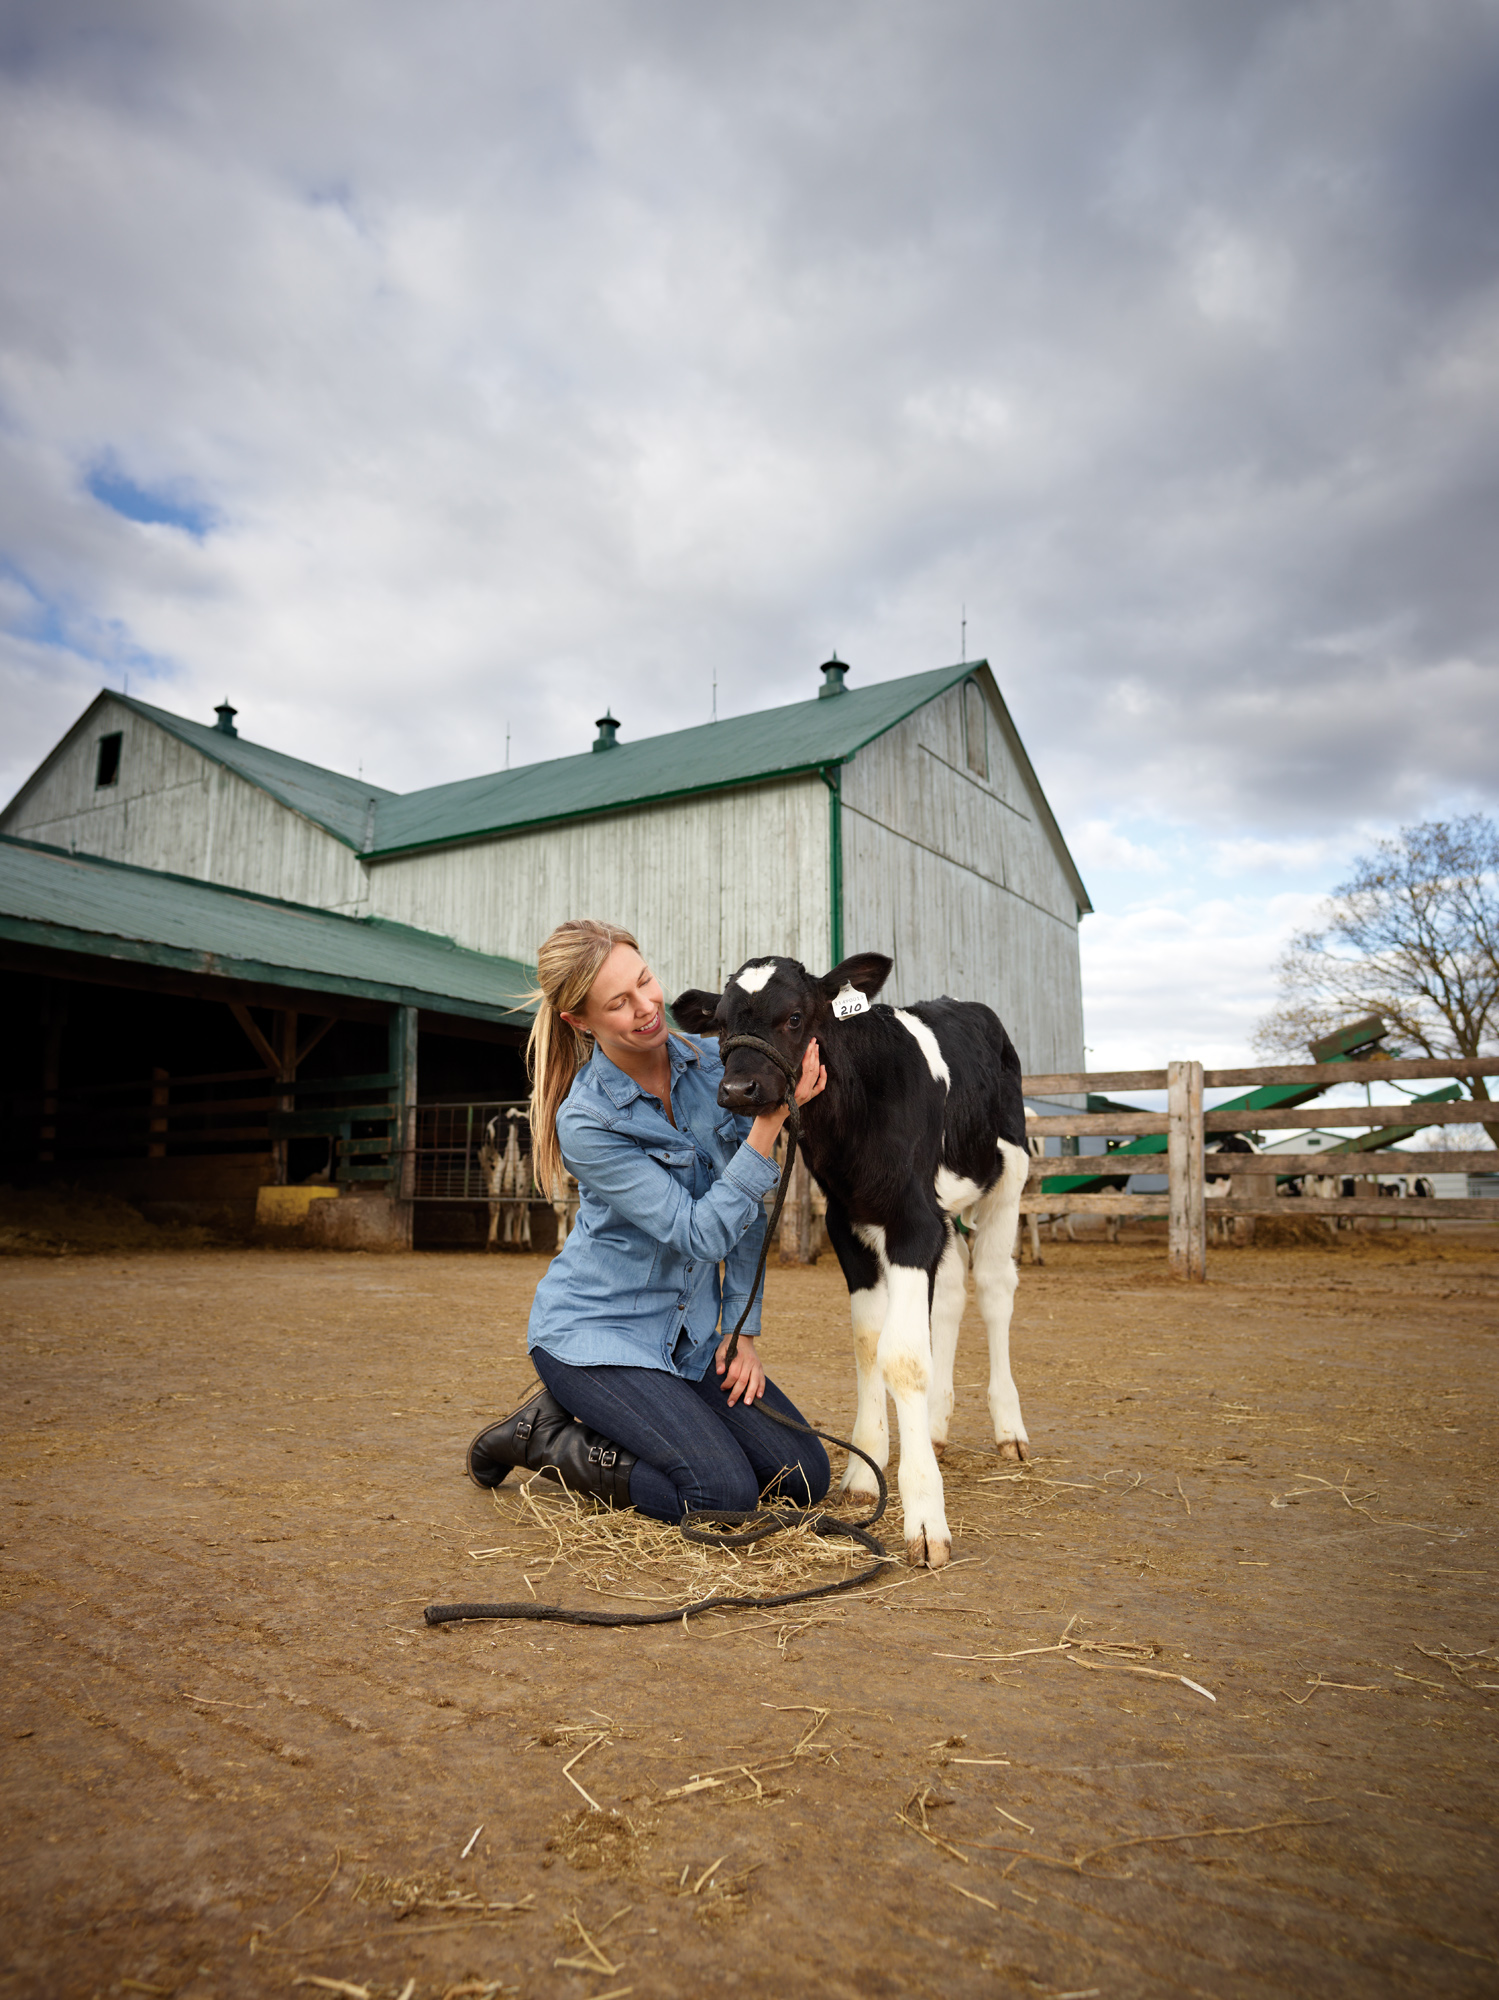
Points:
[(524, 359)]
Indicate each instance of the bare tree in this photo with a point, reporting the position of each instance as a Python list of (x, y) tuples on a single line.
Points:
[(1413, 934)]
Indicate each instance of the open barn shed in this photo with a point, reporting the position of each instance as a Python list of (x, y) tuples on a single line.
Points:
[(186, 1045), (902, 817)]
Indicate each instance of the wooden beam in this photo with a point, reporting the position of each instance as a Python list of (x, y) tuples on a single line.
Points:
[(1115, 1124), (1188, 1232), (1478, 1209), (314, 1038), (1095, 1204), (1075, 1083), (1339, 1116), (403, 1044), (256, 1040), (1219, 1164), (1080, 1083), (1403, 1071)]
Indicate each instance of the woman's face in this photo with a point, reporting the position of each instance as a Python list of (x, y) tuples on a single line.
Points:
[(624, 1011)]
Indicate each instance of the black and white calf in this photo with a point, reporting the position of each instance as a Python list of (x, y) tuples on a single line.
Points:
[(922, 1121), (508, 1178)]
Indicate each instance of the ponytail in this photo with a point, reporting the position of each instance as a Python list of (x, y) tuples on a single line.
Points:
[(566, 967)]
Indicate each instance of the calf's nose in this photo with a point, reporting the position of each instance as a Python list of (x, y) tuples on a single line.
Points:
[(737, 1096)]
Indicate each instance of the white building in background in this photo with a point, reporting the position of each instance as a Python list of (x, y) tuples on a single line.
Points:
[(903, 818)]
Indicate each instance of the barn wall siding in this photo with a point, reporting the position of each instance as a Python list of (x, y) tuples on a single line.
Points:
[(957, 880), (703, 883), (176, 810)]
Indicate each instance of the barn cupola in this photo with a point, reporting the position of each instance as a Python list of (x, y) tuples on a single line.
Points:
[(833, 671), (226, 713), (608, 728)]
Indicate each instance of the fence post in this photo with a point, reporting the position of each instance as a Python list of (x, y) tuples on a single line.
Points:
[(796, 1217), (1188, 1228)]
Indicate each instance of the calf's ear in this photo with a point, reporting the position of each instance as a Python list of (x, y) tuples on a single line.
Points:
[(866, 972), (697, 1011)]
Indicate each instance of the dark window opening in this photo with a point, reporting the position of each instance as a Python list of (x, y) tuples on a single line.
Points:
[(976, 729), (107, 770)]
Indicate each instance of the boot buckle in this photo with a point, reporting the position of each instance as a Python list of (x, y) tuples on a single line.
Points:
[(607, 1458), (523, 1429)]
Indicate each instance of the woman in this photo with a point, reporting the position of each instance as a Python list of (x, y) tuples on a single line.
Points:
[(631, 1314)]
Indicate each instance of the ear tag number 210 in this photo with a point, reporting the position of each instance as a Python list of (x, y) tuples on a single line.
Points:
[(850, 1001)]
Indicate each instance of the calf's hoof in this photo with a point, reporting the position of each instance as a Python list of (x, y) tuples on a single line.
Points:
[(852, 1496), (931, 1550), (1016, 1450), (939, 1447)]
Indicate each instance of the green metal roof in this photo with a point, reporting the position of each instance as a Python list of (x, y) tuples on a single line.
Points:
[(77, 902), (340, 805), (803, 736), (773, 743)]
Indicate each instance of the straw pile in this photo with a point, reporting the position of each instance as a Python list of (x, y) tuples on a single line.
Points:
[(622, 1555)]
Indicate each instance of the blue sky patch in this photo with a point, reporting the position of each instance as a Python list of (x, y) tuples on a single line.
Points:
[(166, 506)]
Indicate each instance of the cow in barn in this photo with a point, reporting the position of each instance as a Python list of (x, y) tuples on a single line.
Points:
[(922, 1122), (508, 1177), (564, 1203)]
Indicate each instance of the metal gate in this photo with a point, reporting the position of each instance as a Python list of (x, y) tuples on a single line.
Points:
[(447, 1140)]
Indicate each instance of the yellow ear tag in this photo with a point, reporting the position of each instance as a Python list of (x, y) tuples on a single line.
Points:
[(850, 1001)]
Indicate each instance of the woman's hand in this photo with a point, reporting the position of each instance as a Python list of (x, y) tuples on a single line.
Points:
[(744, 1375), (813, 1080), (811, 1083)]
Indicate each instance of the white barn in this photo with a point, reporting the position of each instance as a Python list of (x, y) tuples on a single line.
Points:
[(903, 817)]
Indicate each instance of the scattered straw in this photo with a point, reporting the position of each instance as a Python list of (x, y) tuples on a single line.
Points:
[(595, 1961), (620, 1554), (1125, 1667), (1206, 1833), (974, 1898), (577, 1758), (1316, 1682), (1460, 1665), (260, 1940), (921, 1799), (345, 1986)]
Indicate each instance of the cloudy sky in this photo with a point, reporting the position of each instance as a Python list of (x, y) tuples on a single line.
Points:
[(415, 374)]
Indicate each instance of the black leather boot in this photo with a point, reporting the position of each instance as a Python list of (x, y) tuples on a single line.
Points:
[(541, 1437)]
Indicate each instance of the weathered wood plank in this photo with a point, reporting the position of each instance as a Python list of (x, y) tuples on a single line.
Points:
[(1079, 1084), (1358, 1163), (1339, 1117), (1406, 1070), (1477, 1209), (1094, 1204), (1188, 1238), (1113, 1124)]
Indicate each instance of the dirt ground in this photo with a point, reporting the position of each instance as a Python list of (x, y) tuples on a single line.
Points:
[(237, 1762)]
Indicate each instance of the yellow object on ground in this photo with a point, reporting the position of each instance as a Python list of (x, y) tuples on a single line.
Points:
[(286, 1207)]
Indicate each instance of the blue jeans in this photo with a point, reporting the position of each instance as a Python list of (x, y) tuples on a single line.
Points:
[(692, 1452)]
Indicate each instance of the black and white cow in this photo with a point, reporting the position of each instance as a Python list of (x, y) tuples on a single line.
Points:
[(922, 1121), (508, 1178)]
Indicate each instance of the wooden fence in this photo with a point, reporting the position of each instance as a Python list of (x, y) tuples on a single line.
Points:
[(1186, 1125)]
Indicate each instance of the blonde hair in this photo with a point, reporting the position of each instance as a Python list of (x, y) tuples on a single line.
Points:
[(566, 967)]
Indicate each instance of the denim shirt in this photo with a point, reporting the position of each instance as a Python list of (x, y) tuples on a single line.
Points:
[(659, 1208)]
